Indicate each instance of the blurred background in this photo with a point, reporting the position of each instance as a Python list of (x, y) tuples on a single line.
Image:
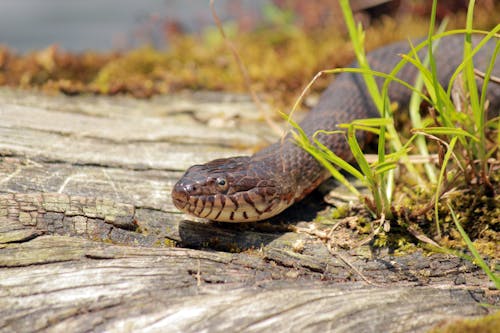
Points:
[(104, 25), (151, 47)]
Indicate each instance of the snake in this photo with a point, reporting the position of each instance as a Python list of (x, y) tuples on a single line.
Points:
[(260, 186)]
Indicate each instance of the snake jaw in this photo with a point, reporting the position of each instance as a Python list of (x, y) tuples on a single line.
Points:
[(240, 207), (233, 194)]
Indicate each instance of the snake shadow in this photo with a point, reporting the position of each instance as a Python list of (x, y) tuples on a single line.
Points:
[(238, 237)]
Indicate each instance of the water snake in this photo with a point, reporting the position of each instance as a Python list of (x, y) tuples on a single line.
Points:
[(252, 188)]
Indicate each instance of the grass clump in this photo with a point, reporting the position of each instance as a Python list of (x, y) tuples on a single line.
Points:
[(467, 163)]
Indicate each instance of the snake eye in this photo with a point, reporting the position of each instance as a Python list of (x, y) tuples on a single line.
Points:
[(221, 183)]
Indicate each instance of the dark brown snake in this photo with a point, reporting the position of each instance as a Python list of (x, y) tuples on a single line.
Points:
[(252, 188)]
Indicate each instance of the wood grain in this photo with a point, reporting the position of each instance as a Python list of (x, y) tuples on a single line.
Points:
[(90, 241)]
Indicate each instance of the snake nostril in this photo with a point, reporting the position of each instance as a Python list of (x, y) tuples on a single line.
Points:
[(190, 188)]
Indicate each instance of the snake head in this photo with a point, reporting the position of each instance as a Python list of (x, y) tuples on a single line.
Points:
[(229, 190)]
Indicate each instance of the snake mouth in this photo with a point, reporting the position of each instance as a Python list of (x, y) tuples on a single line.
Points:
[(240, 207), (180, 197), (180, 203)]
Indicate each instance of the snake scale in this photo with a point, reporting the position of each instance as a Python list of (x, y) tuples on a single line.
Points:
[(257, 187)]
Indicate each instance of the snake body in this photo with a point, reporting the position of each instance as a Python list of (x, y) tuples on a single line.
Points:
[(252, 188)]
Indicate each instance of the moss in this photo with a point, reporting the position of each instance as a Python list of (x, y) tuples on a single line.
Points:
[(340, 212), (169, 242), (382, 240), (364, 225), (486, 324), (404, 246), (479, 216)]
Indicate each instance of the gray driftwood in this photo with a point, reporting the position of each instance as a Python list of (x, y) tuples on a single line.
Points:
[(90, 241)]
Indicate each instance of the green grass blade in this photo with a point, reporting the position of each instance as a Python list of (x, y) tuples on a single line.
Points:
[(335, 159), (365, 167), (385, 167), (358, 154), (438, 95), (488, 35), (478, 259), (357, 38), (440, 182), (414, 110), (386, 76), (447, 131), (433, 70), (487, 75), (373, 122), (470, 78), (324, 160)]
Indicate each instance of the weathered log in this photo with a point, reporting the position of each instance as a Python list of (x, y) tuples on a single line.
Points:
[(89, 239), (105, 287)]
